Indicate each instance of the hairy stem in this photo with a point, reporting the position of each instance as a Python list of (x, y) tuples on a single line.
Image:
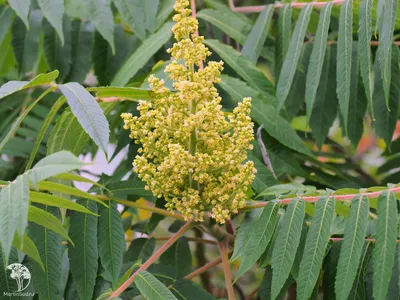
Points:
[(153, 258), (223, 247)]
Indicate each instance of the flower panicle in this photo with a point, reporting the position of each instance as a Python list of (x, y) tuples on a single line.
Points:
[(191, 153)]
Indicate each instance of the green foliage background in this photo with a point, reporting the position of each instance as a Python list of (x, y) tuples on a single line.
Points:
[(320, 78)]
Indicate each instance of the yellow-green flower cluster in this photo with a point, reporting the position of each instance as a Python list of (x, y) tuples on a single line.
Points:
[(192, 153)]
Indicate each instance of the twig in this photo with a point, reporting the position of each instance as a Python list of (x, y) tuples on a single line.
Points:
[(190, 239), (153, 209), (204, 268), (346, 197), (264, 152), (260, 8), (336, 240), (152, 259), (252, 294), (223, 247)]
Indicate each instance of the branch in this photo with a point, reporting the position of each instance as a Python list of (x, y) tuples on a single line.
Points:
[(204, 268), (336, 240), (260, 8), (190, 239), (223, 247), (152, 259), (346, 197)]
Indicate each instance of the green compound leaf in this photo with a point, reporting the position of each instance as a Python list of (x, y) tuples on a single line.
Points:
[(364, 49), (184, 289), (48, 243), (326, 103), (386, 28), (21, 7), (344, 59), (58, 54), (47, 220), (6, 16), (53, 164), (256, 241), (88, 112), (84, 256), (12, 87), (353, 243), (82, 35), (384, 251), (8, 285), (317, 58), (316, 243), (151, 288), (52, 200), (43, 130), (142, 55), (386, 120), (254, 44), (283, 32), (232, 24), (178, 257), (14, 203), (286, 244), (17, 123), (250, 73), (27, 246), (264, 113), (53, 10), (292, 57), (100, 13), (111, 241), (67, 190), (26, 43)]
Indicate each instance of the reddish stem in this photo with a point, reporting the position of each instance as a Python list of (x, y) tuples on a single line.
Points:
[(190, 239), (346, 197), (260, 8), (204, 268), (336, 240), (252, 294), (153, 258), (223, 247)]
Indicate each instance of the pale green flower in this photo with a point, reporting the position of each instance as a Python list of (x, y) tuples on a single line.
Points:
[(192, 154)]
